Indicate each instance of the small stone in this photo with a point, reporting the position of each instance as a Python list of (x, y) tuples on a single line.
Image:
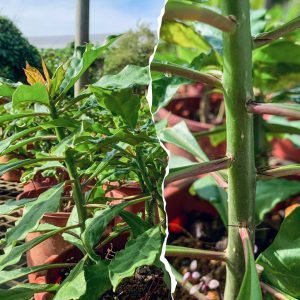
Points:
[(193, 265), (196, 275), (213, 284), (186, 276)]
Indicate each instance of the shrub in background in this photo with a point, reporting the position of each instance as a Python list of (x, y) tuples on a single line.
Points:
[(15, 50), (134, 47)]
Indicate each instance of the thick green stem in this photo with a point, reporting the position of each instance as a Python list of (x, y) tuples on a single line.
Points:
[(78, 195), (240, 146)]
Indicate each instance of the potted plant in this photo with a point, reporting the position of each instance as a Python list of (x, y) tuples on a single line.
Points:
[(103, 136), (250, 187)]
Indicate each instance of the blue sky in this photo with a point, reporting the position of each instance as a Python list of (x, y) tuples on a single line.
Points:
[(57, 17)]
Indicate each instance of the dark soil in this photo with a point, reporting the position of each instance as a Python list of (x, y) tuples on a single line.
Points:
[(146, 284), (203, 231)]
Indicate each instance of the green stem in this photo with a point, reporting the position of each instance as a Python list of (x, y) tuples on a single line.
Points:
[(78, 195), (267, 37), (193, 12), (177, 251), (198, 169), (283, 171), (184, 72), (144, 178), (238, 91)]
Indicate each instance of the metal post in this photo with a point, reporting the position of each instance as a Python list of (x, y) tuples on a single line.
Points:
[(82, 35)]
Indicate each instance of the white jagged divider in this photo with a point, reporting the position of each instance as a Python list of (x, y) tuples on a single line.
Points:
[(149, 100)]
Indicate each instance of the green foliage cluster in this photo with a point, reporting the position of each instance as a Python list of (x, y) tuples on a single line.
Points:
[(134, 47), (15, 50)]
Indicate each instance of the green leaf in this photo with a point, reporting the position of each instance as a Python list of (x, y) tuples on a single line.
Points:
[(80, 63), (26, 291), (16, 164), (181, 136), (207, 188), (136, 223), (7, 87), (129, 77), (4, 144), (95, 274), (74, 286), (183, 35), (10, 117), (25, 142), (73, 220), (6, 276), (27, 94), (164, 88), (273, 69), (10, 205), (250, 288), (13, 254), (48, 201), (96, 226), (141, 251), (281, 260), (271, 192), (120, 102)]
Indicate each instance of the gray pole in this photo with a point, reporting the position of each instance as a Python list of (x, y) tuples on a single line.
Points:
[(82, 35)]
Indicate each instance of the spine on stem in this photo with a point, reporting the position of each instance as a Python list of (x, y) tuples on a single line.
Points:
[(238, 92)]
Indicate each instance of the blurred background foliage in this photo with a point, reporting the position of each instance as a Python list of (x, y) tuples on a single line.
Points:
[(15, 50), (134, 47)]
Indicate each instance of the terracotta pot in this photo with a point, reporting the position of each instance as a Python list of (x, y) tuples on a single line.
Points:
[(179, 203), (40, 184), (13, 175), (52, 249), (285, 149), (69, 255), (131, 189), (182, 109)]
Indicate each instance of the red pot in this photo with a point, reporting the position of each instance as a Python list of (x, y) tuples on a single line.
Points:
[(285, 149), (131, 189), (52, 249), (179, 203), (13, 175), (182, 109)]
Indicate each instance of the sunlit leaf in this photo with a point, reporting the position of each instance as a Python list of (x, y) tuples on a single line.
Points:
[(281, 260), (146, 248)]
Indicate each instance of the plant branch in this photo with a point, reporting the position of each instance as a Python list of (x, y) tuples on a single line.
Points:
[(272, 291), (277, 109), (268, 37), (292, 169), (178, 70), (78, 195), (202, 168), (177, 251), (193, 12)]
